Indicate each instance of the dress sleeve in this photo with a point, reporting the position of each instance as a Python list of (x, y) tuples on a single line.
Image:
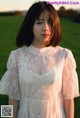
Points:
[(9, 84), (70, 86)]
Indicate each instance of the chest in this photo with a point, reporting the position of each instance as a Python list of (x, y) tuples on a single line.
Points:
[(40, 64)]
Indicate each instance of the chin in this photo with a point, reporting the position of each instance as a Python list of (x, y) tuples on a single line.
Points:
[(46, 42)]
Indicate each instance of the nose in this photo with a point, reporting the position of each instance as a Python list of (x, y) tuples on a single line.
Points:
[(46, 26)]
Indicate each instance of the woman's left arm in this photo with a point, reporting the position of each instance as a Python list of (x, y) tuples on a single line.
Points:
[(69, 108)]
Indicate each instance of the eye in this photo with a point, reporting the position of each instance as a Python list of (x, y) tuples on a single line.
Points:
[(39, 22)]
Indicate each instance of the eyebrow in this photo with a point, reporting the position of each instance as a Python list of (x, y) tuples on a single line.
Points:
[(40, 19)]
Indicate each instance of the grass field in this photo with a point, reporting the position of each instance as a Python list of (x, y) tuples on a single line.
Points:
[(8, 29)]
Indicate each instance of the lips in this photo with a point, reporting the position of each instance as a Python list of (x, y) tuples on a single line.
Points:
[(45, 35)]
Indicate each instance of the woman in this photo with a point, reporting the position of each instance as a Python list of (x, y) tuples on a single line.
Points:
[(41, 79)]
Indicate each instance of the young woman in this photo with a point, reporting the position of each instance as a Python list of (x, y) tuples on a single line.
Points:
[(41, 80)]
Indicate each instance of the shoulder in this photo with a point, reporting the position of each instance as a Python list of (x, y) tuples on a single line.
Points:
[(18, 50), (63, 49), (64, 52)]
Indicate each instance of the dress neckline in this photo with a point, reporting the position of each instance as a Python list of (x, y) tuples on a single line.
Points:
[(38, 51)]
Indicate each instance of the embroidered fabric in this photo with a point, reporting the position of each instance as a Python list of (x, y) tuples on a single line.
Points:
[(41, 79), (34, 56)]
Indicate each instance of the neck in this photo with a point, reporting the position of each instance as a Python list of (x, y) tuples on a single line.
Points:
[(38, 45)]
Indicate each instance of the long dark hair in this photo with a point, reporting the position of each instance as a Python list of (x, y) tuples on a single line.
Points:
[(25, 34)]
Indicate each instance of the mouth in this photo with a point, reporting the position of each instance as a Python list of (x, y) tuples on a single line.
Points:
[(45, 35)]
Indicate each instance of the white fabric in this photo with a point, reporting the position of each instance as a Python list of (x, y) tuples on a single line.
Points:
[(41, 79)]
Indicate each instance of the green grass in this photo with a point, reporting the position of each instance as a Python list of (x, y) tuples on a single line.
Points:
[(8, 30)]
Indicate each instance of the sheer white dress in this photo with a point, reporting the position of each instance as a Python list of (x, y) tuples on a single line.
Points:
[(41, 79)]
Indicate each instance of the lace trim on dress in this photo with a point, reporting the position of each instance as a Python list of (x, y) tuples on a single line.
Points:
[(38, 51)]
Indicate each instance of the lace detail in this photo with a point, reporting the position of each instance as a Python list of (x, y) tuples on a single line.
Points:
[(26, 60), (38, 51), (70, 78), (41, 57)]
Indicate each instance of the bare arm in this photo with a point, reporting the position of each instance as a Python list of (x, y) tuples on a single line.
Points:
[(69, 108), (15, 104)]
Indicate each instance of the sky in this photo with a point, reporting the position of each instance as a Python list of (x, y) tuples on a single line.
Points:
[(11, 5)]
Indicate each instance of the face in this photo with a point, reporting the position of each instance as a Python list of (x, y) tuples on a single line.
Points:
[(42, 30)]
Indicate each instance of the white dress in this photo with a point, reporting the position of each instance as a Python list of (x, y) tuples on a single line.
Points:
[(41, 79)]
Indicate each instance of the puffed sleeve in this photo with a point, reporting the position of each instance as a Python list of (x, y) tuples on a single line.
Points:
[(70, 86), (9, 84)]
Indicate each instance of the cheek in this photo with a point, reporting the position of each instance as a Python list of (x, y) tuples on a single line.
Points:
[(35, 31), (35, 28)]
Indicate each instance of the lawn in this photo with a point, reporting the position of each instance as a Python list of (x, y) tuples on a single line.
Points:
[(8, 30)]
